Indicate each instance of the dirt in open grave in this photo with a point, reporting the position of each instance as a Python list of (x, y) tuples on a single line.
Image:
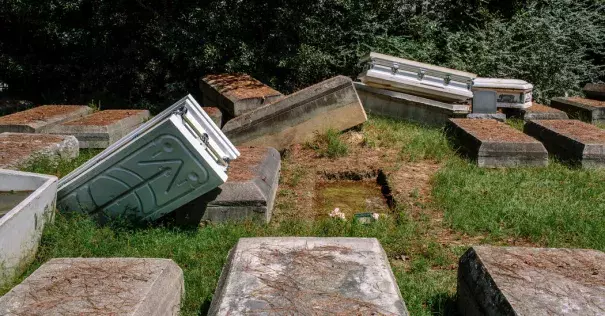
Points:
[(104, 118), (41, 113)]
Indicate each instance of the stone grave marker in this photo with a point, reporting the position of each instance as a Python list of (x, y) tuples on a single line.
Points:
[(587, 110), (595, 91), (494, 144), (307, 276), (98, 286), (331, 104), (570, 140), (485, 106), (531, 281), (42, 118), (248, 194), (103, 128), (236, 93), (19, 149)]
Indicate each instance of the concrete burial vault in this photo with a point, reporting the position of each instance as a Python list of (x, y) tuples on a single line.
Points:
[(19, 149), (331, 104), (215, 114), (542, 112), (399, 105), (101, 129), (531, 281), (249, 192), (494, 144), (571, 140), (170, 160), (98, 286), (595, 91), (40, 119), (587, 110), (27, 203), (236, 93), (307, 276)]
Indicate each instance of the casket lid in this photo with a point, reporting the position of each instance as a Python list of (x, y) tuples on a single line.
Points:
[(387, 60), (499, 83)]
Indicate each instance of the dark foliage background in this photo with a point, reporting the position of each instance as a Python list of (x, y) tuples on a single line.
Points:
[(150, 53)]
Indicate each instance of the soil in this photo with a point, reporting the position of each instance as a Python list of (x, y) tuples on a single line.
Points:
[(212, 111), (104, 118), (244, 168), (539, 108), (493, 131), (589, 102), (15, 147), (41, 113), (240, 86), (584, 132), (351, 197)]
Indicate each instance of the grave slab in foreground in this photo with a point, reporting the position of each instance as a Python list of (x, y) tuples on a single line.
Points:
[(19, 149), (98, 286), (587, 110), (236, 93), (163, 164), (399, 105), (297, 118), (101, 129), (42, 118), (571, 140), (27, 203), (248, 194), (307, 276), (495, 144), (531, 281)]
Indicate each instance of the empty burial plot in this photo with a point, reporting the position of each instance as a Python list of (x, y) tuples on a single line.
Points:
[(101, 129), (591, 111), (495, 144), (42, 118), (571, 140)]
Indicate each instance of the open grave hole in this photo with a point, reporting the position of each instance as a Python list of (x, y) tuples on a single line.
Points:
[(352, 193)]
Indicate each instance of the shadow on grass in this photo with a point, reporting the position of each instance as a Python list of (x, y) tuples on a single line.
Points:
[(443, 304)]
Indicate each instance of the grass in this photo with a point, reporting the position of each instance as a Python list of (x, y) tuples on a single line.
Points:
[(329, 145), (555, 206)]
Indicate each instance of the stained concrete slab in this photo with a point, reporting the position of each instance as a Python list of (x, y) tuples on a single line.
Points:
[(408, 107), (531, 281), (98, 286), (248, 194), (40, 119), (587, 110), (215, 114), (237, 94), (494, 144), (22, 225), (570, 140), (307, 276), (172, 159), (297, 118), (103, 128), (595, 91), (19, 149)]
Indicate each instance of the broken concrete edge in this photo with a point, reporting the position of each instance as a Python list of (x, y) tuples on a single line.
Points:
[(67, 149), (101, 136), (244, 244), (44, 126), (215, 114), (477, 293), (496, 116), (489, 154), (565, 148), (401, 106), (21, 228), (162, 296), (331, 104), (188, 104), (580, 111)]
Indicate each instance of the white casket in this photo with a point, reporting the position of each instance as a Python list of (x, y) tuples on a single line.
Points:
[(412, 77), (510, 93), (170, 160)]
